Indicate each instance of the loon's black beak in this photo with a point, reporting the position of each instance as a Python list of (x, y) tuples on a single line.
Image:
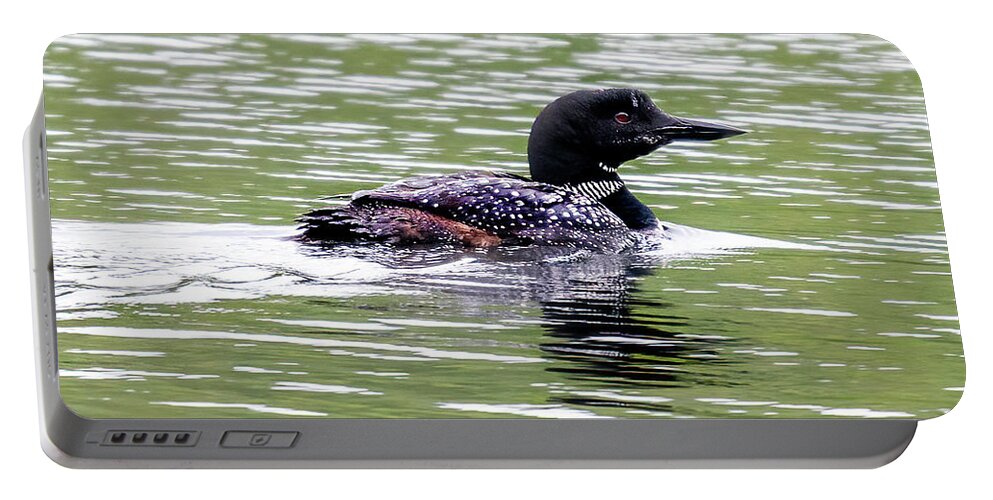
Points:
[(684, 129)]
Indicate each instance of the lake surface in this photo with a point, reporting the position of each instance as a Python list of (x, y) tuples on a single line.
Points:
[(807, 275)]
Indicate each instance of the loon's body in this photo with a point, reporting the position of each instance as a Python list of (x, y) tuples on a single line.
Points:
[(478, 209), (575, 197)]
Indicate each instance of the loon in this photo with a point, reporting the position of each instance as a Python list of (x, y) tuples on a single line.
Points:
[(574, 198)]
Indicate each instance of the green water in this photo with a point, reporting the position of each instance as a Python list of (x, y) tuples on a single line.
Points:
[(179, 162)]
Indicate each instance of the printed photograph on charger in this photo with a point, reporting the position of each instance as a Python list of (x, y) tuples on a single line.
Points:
[(496, 226)]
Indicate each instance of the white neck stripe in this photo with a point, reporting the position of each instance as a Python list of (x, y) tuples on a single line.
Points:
[(597, 189)]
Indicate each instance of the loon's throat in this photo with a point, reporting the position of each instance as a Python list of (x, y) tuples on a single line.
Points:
[(635, 214)]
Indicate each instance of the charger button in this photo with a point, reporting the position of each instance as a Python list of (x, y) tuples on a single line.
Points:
[(258, 439)]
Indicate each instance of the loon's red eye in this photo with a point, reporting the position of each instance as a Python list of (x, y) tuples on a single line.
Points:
[(622, 118)]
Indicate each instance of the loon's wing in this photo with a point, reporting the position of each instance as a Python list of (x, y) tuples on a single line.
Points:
[(388, 214)]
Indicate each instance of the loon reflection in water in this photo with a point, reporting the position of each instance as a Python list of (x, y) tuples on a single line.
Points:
[(589, 306), (595, 333), (575, 198)]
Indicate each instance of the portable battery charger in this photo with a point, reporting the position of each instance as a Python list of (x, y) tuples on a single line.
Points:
[(433, 250)]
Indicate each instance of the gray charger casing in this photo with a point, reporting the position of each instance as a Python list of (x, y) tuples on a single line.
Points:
[(74, 441)]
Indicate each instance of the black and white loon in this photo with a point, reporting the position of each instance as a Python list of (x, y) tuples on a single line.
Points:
[(574, 197)]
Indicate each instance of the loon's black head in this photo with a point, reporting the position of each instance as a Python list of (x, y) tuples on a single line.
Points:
[(584, 136)]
